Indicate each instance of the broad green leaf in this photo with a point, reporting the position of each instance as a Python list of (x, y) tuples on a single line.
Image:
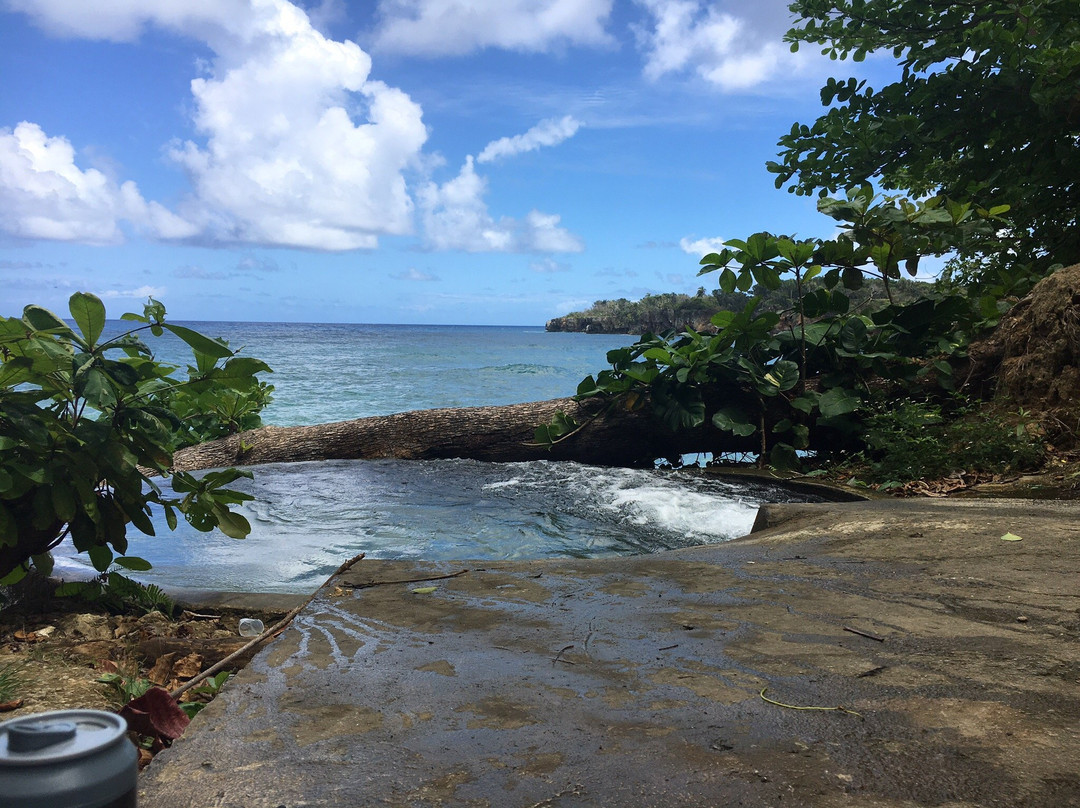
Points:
[(100, 556), (43, 563), (89, 314), (14, 576), (733, 420), (232, 524), (200, 343), (838, 401), (783, 375), (41, 319), (63, 500), (1011, 537), (424, 590), (133, 563), (97, 389)]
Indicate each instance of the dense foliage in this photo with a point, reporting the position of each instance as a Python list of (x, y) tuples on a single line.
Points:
[(87, 421), (776, 383), (987, 107), (678, 312)]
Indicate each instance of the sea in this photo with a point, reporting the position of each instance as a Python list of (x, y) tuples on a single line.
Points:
[(307, 518)]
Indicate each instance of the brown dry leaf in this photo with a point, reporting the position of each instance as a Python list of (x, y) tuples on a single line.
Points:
[(28, 636), (107, 666), (145, 758), (8, 706), (188, 666), (162, 669)]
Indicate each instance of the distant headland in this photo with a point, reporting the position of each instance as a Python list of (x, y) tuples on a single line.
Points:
[(675, 311)]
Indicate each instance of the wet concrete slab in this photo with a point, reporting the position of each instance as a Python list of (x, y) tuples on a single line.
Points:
[(890, 653)]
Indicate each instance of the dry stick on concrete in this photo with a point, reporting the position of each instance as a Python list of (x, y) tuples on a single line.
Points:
[(868, 636), (277, 627), (839, 709), (406, 580)]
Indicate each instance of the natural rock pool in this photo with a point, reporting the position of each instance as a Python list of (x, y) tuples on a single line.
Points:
[(308, 518)]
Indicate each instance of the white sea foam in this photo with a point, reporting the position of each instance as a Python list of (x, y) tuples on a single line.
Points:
[(308, 517)]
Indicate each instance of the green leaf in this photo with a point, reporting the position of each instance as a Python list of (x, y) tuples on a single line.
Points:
[(232, 524), (89, 314), (838, 401), (43, 563), (100, 556), (733, 420), (14, 576), (133, 563), (783, 375), (41, 319), (200, 343), (424, 590), (1011, 537)]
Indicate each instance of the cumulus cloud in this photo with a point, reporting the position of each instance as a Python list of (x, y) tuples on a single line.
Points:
[(45, 195), (454, 27), (734, 51), (455, 217), (701, 246), (549, 132), (281, 160)]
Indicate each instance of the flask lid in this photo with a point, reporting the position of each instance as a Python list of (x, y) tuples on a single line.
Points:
[(57, 736)]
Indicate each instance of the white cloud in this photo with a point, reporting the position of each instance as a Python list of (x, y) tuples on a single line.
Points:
[(547, 266), (45, 195), (455, 217), (414, 274), (282, 161), (141, 292), (549, 132), (454, 27), (732, 51), (701, 246)]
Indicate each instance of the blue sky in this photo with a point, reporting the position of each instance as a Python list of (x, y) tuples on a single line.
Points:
[(399, 161)]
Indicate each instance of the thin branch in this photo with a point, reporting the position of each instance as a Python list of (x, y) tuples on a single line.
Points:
[(277, 627)]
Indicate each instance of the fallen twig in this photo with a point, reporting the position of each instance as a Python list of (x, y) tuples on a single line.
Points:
[(838, 709), (557, 657), (274, 629), (405, 580), (868, 636)]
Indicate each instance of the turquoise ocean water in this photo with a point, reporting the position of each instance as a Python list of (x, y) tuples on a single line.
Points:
[(309, 517)]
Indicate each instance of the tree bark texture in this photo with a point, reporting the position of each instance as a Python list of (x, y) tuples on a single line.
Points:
[(497, 434)]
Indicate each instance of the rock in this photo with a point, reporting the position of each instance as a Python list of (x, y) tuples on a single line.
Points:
[(88, 626)]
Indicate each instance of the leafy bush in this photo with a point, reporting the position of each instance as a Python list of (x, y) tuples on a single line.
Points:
[(87, 422), (915, 440), (783, 382)]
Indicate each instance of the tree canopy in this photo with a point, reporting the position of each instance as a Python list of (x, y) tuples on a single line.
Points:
[(987, 109)]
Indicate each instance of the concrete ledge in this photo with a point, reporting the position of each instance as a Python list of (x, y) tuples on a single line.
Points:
[(638, 681)]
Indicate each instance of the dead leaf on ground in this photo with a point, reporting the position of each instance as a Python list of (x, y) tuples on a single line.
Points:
[(162, 670), (8, 706), (187, 667)]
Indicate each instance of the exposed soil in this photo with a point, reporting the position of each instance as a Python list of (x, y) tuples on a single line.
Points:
[(59, 648)]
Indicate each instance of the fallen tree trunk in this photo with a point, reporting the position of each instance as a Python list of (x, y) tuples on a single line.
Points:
[(498, 434)]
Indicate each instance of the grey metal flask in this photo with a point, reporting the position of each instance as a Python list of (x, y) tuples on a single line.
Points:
[(67, 759)]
